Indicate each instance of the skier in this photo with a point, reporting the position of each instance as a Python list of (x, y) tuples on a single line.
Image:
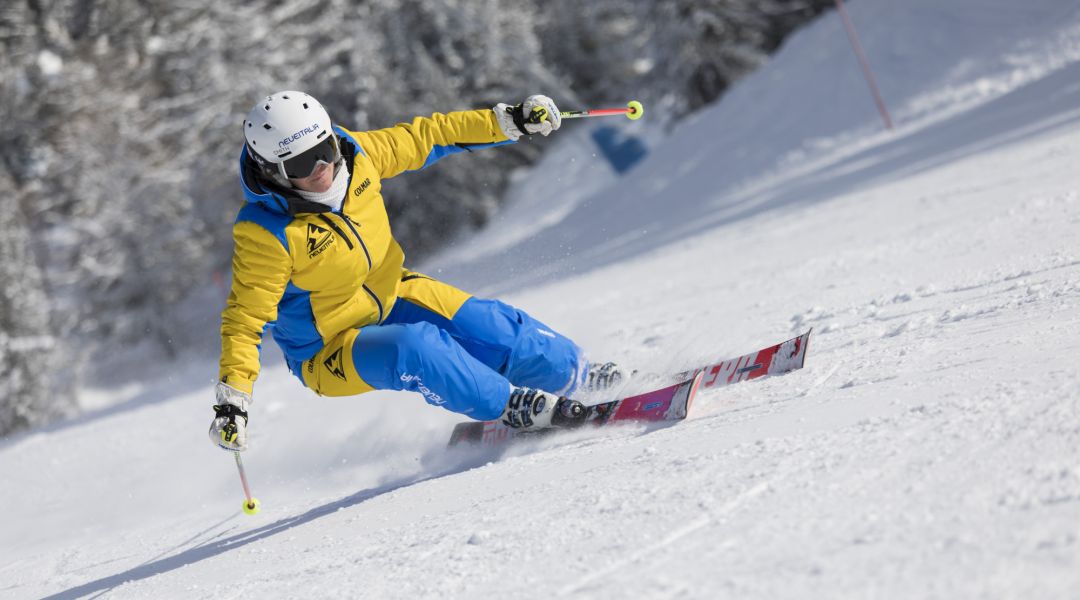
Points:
[(315, 262)]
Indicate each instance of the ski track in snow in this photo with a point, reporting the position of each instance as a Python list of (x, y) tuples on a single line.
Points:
[(930, 448)]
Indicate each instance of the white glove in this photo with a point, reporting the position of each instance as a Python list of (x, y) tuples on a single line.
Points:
[(228, 430), (537, 114)]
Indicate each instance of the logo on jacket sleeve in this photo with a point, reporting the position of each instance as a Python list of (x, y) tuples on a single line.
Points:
[(363, 186), (318, 240), (334, 365)]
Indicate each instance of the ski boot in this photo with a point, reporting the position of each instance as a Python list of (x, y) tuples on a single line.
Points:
[(603, 377), (532, 409)]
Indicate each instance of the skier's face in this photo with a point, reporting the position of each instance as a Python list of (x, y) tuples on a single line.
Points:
[(319, 181)]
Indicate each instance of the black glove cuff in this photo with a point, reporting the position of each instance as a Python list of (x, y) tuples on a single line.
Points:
[(518, 113), (230, 410)]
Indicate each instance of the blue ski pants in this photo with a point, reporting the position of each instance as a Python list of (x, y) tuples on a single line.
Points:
[(460, 352)]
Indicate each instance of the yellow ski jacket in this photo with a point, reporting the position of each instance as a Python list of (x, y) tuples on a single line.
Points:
[(306, 272)]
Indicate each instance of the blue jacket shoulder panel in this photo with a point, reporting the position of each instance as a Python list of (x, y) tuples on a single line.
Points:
[(344, 136), (439, 152), (274, 222)]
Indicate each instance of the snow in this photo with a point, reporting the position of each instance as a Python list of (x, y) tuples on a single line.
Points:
[(930, 448), (49, 63)]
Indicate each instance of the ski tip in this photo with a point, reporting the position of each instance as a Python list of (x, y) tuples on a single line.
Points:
[(694, 386), (806, 347), (683, 396)]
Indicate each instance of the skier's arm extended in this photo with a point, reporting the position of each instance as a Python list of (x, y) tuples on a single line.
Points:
[(261, 270), (415, 145)]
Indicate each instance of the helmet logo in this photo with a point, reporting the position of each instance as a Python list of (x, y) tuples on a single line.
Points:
[(299, 134)]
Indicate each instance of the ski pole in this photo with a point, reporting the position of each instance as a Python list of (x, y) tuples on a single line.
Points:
[(633, 111), (251, 504)]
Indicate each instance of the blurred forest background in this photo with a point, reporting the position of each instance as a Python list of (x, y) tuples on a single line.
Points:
[(121, 133)]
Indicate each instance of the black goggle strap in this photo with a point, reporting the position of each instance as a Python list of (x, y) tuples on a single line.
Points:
[(303, 164)]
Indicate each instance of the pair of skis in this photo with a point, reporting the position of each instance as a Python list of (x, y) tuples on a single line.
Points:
[(669, 403)]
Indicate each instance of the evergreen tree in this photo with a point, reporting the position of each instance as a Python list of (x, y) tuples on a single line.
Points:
[(30, 392), (122, 134)]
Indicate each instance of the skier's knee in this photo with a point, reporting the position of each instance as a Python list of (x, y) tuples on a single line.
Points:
[(383, 354)]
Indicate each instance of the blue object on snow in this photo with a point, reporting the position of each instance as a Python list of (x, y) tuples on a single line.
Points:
[(622, 151)]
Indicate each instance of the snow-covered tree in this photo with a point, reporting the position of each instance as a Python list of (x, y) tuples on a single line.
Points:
[(122, 132), (33, 369), (677, 55)]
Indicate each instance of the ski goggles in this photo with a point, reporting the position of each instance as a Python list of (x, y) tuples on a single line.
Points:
[(303, 165)]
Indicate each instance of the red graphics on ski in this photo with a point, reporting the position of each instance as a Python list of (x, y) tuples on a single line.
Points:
[(670, 403)]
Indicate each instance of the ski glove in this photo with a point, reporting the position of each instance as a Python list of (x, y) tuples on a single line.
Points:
[(228, 430), (537, 114)]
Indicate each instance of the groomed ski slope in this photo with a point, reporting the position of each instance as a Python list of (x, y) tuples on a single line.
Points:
[(929, 449)]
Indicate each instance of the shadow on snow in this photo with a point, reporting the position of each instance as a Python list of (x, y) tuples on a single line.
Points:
[(466, 459), (462, 460)]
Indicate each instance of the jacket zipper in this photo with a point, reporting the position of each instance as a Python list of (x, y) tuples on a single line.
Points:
[(337, 230), (363, 246), (376, 299), (348, 221)]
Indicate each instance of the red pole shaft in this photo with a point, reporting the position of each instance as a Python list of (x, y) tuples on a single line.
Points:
[(596, 112), (865, 64), (243, 477), (603, 112)]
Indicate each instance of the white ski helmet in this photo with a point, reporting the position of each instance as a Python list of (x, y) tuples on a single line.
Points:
[(288, 133)]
